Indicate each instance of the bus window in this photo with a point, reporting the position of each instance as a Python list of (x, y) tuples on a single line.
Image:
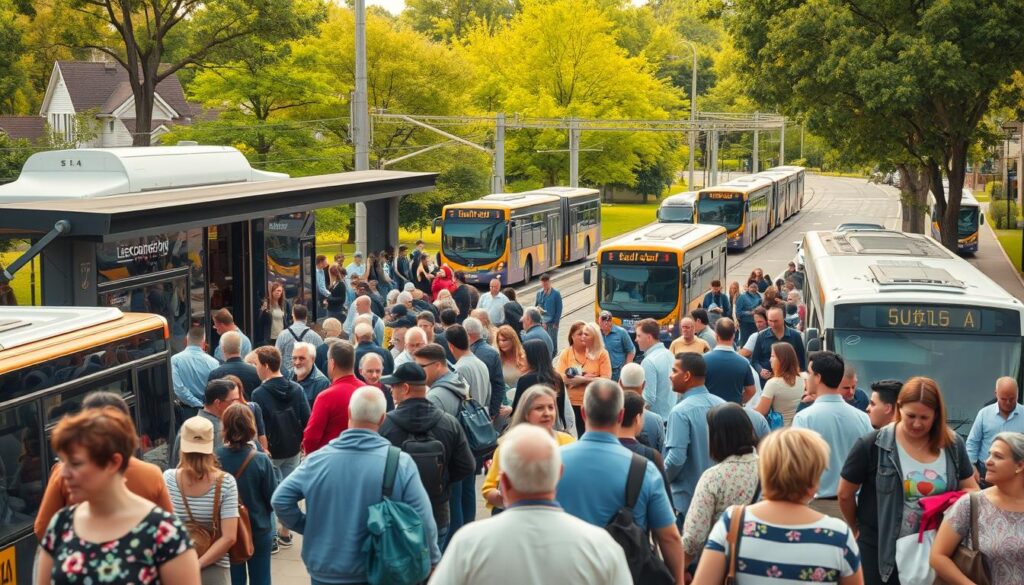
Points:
[(481, 242), (639, 289), (22, 469), (727, 213), (967, 223), (56, 406), (155, 419)]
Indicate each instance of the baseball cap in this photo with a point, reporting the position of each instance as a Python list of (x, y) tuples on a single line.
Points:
[(197, 436), (405, 322), (406, 373), (605, 315), (358, 253), (631, 375), (398, 310)]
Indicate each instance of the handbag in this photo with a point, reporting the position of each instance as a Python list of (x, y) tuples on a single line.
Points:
[(912, 552), (774, 418), (244, 548), (733, 538), (202, 537), (971, 561)]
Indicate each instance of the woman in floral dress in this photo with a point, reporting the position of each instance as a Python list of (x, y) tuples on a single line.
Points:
[(112, 535)]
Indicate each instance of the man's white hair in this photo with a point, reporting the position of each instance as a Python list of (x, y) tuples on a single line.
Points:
[(367, 405), (309, 347), (473, 326), (413, 332), (231, 343), (332, 327), (363, 331), (530, 459), (370, 356), (404, 298)]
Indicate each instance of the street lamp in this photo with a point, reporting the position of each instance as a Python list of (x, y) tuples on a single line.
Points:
[(693, 110)]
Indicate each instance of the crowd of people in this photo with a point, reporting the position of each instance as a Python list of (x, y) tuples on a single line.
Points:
[(604, 470)]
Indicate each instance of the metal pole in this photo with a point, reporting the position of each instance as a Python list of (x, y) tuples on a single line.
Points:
[(498, 179), (757, 139), (782, 143), (693, 112), (714, 157), (574, 152), (801, 140), (361, 118)]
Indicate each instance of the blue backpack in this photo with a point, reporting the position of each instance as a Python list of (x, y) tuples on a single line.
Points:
[(396, 547), (476, 423)]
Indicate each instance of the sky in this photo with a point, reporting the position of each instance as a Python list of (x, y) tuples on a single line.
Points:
[(392, 6)]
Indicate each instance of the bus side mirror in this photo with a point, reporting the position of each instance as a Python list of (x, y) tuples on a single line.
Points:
[(586, 276), (686, 279), (812, 340), (981, 216), (434, 224)]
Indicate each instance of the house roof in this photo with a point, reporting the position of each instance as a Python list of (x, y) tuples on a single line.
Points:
[(27, 127), (129, 124), (105, 86)]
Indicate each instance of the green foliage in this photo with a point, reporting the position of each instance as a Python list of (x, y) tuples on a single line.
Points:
[(995, 189), (450, 20), (997, 212)]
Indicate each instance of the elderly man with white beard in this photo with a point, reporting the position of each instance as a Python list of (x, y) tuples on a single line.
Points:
[(305, 373)]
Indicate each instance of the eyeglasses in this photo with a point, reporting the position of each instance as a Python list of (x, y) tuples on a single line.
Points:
[(606, 318)]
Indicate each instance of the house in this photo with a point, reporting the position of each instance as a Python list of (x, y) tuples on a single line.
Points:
[(101, 90)]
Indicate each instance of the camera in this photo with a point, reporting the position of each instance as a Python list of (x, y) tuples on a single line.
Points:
[(573, 372)]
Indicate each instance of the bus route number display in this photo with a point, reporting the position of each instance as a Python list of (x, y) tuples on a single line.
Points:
[(649, 257), (475, 214), (727, 196), (910, 317)]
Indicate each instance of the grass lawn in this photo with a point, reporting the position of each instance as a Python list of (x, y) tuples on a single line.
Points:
[(1010, 240), (23, 279)]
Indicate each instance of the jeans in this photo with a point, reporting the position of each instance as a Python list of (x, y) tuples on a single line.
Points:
[(442, 537), (553, 332), (255, 571), (285, 467), (462, 504)]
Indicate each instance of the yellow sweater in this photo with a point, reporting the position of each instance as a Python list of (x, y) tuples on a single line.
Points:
[(491, 481)]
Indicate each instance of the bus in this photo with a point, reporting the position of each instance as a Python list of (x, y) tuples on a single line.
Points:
[(660, 272), (969, 222), (898, 305), (678, 208), (514, 236), (743, 206), (788, 191), (50, 359)]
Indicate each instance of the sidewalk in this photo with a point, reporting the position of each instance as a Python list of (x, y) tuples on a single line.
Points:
[(991, 260)]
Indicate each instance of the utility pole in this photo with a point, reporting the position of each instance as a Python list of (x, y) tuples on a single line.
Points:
[(801, 140), (693, 112), (782, 143), (498, 178), (714, 156), (574, 152), (757, 139), (361, 118)]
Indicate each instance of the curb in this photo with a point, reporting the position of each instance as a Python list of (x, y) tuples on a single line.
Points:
[(1006, 257)]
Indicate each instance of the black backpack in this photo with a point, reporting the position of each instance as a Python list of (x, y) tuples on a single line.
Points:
[(645, 566), (430, 456), (284, 435)]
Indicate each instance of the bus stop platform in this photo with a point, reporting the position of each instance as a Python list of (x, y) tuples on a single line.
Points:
[(993, 261)]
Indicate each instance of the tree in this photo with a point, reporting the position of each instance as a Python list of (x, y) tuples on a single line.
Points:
[(449, 20), (154, 39), (910, 80)]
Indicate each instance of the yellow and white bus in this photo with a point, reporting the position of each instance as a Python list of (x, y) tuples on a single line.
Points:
[(968, 222), (661, 272), (514, 236)]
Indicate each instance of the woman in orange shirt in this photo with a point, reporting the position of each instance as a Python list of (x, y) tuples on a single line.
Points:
[(585, 358)]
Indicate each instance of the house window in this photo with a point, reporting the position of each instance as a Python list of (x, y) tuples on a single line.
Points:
[(111, 125)]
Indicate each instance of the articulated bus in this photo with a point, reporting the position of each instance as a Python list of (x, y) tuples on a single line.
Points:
[(514, 236), (751, 206), (50, 359), (969, 222), (789, 190), (899, 305), (661, 272), (678, 208)]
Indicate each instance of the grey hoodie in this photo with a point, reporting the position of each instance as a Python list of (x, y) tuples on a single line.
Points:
[(442, 396)]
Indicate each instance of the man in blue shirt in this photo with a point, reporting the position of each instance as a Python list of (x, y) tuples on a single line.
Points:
[(224, 322), (190, 369), (745, 305), (617, 342), (687, 450), (1002, 416), (728, 375), (657, 365), (716, 303), (532, 329), (321, 284), (598, 454), (853, 395), (761, 358), (550, 301), (836, 421)]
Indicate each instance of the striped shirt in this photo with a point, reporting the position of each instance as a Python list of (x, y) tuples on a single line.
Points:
[(770, 554), (202, 506)]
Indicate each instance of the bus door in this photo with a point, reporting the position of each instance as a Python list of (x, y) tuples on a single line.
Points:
[(308, 294), (165, 294), (555, 239)]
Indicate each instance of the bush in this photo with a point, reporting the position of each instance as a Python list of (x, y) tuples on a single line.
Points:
[(1000, 219), (995, 189)]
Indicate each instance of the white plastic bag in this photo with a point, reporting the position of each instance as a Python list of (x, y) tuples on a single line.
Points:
[(912, 559)]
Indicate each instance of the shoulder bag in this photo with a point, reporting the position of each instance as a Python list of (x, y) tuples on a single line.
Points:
[(244, 548), (202, 537), (971, 561), (733, 538)]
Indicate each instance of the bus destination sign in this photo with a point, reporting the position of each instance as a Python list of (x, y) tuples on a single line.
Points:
[(472, 214), (727, 196), (934, 318), (649, 257)]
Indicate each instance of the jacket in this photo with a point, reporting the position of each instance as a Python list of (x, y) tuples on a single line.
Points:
[(419, 416), (760, 358), (236, 367), (448, 392), (339, 483), (315, 383), (329, 416), (263, 324), (274, 395), (463, 300), (492, 359), (255, 487), (745, 305)]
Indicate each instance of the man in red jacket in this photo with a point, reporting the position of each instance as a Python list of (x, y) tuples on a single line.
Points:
[(330, 411)]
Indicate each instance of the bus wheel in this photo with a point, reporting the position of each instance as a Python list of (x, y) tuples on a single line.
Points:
[(528, 271)]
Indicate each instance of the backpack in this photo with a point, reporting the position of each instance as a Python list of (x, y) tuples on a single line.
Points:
[(430, 456), (644, 564), (286, 438), (480, 433), (396, 546)]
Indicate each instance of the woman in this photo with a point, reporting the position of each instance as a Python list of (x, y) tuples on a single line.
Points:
[(257, 410), (445, 300), (423, 274), (513, 360), (786, 387), (734, 293), (540, 371), (275, 314), (733, 481), (586, 355), (257, 481), (193, 488), (444, 280), (111, 535), (782, 538), (771, 299), (894, 467), (513, 310), (1000, 518), (537, 407), (338, 293)]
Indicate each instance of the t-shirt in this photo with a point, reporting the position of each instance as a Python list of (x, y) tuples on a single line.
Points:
[(136, 557), (786, 398), (773, 554), (920, 480), (680, 345), (202, 506)]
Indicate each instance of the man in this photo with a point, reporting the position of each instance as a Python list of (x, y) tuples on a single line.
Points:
[(231, 344), (687, 451), (223, 322), (448, 317), (218, 396), (621, 350), (332, 331), (371, 370), (493, 301), (688, 342), (598, 454), (836, 421), (339, 483), (402, 266), (653, 432), (462, 296), (427, 322), (633, 417), (485, 319), (533, 541), (1005, 415), (361, 306), (321, 281), (190, 369), (417, 252), (294, 333), (354, 270), (657, 365), (761, 358), (369, 290), (305, 373), (761, 323), (532, 329), (468, 365), (477, 335), (413, 426), (882, 405), (749, 300), (729, 375), (549, 300), (715, 303), (701, 327), (329, 416), (365, 344), (415, 338), (404, 299), (853, 395), (421, 304), (796, 275)]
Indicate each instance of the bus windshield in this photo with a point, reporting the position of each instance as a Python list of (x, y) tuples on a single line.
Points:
[(646, 291), (965, 366), (968, 221), (473, 242), (727, 213), (676, 214)]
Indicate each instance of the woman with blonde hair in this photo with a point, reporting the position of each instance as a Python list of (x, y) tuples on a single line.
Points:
[(205, 498), (445, 300), (734, 293), (781, 537), (537, 406), (275, 314), (782, 393), (584, 360), (513, 358)]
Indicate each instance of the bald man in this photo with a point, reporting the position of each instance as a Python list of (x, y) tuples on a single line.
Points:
[(370, 371), (365, 344), (1001, 416), (362, 306), (332, 330), (494, 301), (688, 342), (415, 338)]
